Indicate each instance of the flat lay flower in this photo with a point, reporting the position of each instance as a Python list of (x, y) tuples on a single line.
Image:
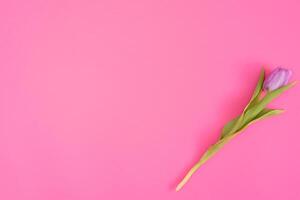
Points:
[(266, 90)]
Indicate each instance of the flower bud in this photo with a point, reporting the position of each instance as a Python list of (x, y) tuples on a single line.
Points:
[(278, 78)]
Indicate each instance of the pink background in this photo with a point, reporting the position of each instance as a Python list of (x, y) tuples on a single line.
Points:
[(117, 99)]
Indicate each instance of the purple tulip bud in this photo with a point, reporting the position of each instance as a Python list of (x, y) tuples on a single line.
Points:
[(278, 78)]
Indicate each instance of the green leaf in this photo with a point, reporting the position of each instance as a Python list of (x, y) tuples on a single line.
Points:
[(257, 91), (236, 125), (253, 112), (228, 127), (254, 108), (265, 113), (212, 150), (262, 115), (237, 122)]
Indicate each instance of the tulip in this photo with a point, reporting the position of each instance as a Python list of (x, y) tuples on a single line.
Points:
[(254, 111), (278, 78)]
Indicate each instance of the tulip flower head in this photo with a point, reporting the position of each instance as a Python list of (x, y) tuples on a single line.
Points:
[(278, 78)]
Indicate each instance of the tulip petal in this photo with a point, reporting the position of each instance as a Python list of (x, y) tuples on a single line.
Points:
[(288, 76)]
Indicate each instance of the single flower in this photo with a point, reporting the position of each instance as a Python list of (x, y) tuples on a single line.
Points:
[(275, 84), (278, 78)]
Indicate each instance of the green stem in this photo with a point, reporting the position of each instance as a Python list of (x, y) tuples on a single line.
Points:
[(189, 175), (207, 155)]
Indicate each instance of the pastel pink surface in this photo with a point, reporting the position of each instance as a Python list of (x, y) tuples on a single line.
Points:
[(118, 99)]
